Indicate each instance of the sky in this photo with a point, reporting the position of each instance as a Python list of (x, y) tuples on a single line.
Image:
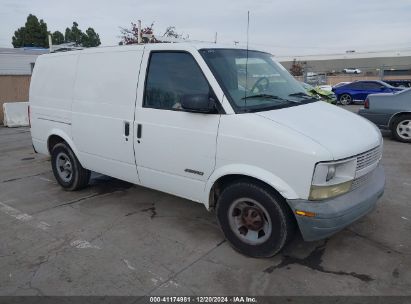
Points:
[(282, 27)]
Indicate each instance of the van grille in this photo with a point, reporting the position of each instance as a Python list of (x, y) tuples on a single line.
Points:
[(362, 180), (369, 158), (365, 160)]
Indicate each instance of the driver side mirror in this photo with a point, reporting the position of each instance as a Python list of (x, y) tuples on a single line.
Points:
[(198, 103)]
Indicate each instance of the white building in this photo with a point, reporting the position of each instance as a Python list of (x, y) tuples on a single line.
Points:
[(399, 62)]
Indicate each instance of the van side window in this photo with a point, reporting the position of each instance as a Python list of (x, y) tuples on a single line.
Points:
[(171, 75)]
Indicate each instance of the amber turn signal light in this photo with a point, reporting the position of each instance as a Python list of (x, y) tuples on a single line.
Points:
[(305, 213)]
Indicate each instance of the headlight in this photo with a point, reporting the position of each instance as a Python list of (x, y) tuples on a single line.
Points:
[(331, 179)]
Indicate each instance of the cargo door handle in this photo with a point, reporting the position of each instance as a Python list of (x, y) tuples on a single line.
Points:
[(139, 130), (126, 128)]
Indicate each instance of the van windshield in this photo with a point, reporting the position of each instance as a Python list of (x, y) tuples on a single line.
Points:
[(254, 82)]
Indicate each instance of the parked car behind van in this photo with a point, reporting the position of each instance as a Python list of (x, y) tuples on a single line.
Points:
[(326, 87), (189, 120), (326, 95), (390, 112), (340, 84), (359, 90), (351, 71)]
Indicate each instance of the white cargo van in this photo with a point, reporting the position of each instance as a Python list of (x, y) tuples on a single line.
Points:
[(227, 128)]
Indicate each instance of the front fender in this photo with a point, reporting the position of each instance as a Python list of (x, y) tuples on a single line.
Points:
[(251, 171)]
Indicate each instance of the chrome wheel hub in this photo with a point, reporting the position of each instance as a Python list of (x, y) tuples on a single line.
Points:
[(64, 167), (404, 129), (345, 99)]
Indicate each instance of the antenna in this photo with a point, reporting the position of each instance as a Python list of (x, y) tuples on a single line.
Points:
[(248, 27), (246, 62), (139, 36)]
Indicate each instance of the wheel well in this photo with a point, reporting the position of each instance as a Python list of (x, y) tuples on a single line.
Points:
[(395, 116), (226, 180), (54, 140)]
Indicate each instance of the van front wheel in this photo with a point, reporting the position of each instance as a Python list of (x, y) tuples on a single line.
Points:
[(254, 219), (67, 169)]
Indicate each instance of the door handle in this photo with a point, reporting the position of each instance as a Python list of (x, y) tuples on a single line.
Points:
[(139, 130), (126, 128)]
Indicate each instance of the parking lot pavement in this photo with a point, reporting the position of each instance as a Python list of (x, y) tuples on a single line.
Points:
[(114, 238)]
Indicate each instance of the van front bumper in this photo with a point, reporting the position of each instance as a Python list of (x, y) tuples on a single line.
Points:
[(335, 214)]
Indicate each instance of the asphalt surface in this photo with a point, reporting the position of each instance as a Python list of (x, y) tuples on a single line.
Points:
[(114, 238)]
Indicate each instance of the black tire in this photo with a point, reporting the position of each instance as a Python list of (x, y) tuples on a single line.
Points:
[(282, 219), (79, 177), (405, 120), (345, 99)]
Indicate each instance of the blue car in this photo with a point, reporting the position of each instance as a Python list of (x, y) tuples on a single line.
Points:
[(359, 90)]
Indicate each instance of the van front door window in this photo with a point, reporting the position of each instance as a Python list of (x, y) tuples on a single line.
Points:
[(170, 76)]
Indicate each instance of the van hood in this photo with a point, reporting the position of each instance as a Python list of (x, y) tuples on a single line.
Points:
[(341, 132)]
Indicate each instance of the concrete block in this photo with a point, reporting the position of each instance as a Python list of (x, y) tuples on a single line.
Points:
[(15, 114)]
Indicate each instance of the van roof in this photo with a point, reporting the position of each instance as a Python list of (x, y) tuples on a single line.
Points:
[(151, 46)]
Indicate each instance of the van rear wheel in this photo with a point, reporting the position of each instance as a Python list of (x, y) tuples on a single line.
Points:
[(254, 220), (67, 169)]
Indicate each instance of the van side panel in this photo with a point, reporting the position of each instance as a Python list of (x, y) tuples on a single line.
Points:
[(103, 103), (51, 92)]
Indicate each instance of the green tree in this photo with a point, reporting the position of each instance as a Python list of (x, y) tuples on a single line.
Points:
[(33, 33), (57, 37), (90, 38), (74, 34)]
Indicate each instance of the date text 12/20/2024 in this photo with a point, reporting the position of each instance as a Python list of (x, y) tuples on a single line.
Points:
[(203, 299)]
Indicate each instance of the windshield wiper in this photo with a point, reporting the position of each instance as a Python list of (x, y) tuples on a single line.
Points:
[(269, 96), (268, 108), (307, 98), (301, 94)]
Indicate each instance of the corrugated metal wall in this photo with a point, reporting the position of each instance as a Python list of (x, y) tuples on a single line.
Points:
[(13, 88), (16, 64)]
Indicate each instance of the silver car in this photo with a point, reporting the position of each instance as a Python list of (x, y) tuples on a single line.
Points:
[(390, 112)]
